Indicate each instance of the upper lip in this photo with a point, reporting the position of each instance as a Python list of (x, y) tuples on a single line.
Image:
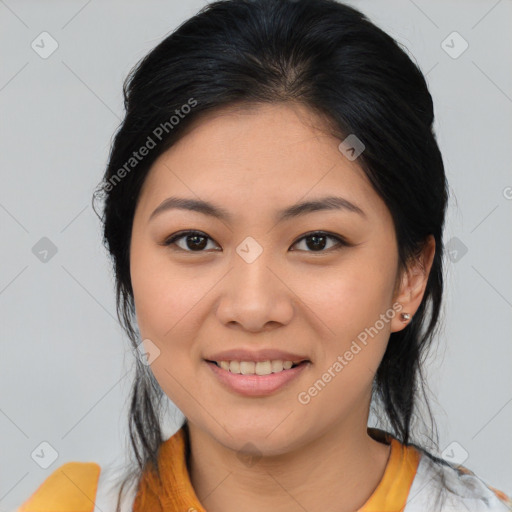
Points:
[(270, 354)]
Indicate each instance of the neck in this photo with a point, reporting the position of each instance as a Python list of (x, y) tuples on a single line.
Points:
[(343, 465)]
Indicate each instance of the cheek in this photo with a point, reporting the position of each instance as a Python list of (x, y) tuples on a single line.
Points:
[(350, 297), (350, 303), (162, 294), (164, 300)]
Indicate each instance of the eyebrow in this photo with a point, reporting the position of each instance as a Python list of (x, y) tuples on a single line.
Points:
[(293, 211)]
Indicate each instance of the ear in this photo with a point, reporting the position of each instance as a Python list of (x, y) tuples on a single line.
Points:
[(412, 285)]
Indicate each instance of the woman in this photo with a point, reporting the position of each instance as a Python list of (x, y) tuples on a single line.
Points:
[(274, 206)]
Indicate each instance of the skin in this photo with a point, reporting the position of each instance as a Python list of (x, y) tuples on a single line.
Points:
[(252, 162)]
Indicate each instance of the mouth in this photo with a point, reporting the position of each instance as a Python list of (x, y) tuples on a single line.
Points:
[(256, 379)]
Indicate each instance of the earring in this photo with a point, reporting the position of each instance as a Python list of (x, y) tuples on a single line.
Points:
[(405, 317)]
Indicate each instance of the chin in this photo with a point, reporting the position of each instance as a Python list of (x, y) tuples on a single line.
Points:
[(260, 438)]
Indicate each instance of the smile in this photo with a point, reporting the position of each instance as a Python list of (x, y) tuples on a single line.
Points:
[(243, 378)]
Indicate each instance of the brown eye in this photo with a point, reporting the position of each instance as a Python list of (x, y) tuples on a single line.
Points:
[(194, 241), (317, 241)]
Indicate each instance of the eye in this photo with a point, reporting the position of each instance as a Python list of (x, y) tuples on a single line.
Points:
[(318, 240), (197, 241)]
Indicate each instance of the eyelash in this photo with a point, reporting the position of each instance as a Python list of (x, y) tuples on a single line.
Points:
[(183, 234)]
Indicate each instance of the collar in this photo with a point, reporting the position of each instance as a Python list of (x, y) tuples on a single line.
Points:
[(178, 494)]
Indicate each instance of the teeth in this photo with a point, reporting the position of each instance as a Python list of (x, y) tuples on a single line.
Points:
[(263, 368), (277, 366), (255, 368), (247, 367)]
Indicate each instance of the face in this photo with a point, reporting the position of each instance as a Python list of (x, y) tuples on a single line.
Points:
[(317, 284)]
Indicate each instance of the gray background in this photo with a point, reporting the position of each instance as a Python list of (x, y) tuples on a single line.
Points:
[(65, 365)]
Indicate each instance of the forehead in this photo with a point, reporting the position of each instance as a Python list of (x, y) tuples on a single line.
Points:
[(252, 157)]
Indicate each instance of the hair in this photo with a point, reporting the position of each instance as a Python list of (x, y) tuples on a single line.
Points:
[(330, 58)]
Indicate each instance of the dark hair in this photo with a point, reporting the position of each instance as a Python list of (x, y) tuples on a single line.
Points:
[(332, 59)]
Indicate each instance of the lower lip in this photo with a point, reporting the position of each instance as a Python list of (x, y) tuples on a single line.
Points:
[(256, 385)]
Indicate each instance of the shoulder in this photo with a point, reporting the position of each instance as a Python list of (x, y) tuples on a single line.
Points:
[(446, 487), (79, 487)]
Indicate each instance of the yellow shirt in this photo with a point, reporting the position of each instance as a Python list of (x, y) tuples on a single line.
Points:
[(77, 486)]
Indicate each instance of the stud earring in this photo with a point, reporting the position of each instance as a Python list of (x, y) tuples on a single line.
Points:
[(405, 317)]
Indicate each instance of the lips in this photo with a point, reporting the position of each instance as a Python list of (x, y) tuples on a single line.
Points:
[(257, 385), (246, 372)]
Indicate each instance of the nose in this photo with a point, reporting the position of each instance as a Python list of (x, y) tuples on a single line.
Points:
[(254, 295)]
